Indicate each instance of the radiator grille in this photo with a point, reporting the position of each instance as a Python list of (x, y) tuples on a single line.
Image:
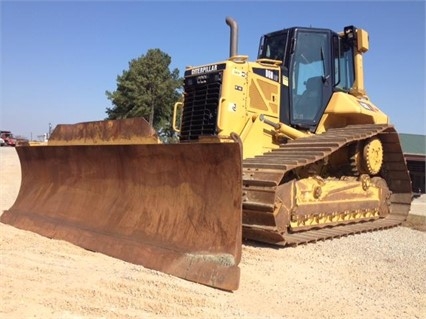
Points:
[(202, 95)]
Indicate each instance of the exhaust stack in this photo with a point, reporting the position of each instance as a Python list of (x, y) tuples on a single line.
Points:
[(233, 46)]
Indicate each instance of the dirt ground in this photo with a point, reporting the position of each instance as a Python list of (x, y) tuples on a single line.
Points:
[(372, 275)]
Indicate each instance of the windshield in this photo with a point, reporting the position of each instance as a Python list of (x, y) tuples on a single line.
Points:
[(6, 135)]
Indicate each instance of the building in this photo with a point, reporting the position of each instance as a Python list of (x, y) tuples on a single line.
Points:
[(414, 149)]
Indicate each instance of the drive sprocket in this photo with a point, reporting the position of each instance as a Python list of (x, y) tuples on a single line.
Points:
[(367, 157), (373, 155)]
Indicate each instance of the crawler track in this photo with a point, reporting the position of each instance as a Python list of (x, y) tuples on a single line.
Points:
[(262, 175)]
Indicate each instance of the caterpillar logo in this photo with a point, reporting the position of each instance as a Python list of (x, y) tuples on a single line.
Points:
[(204, 69), (368, 106)]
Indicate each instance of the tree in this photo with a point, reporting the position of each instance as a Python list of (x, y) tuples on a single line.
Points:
[(147, 89)]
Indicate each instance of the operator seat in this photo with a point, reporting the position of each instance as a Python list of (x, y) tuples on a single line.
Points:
[(311, 99)]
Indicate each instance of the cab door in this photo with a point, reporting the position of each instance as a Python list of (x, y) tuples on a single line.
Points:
[(311, 80)]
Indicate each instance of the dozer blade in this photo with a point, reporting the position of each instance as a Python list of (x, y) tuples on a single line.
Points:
[(124, 131), (174, 208)]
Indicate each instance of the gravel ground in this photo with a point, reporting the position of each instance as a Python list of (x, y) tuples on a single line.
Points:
[(373, 275)]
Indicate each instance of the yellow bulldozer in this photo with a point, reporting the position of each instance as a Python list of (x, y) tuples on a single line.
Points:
[(284, 150)]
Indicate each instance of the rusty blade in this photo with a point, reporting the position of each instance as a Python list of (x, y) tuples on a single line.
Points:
[(173, 208), (125, 131)]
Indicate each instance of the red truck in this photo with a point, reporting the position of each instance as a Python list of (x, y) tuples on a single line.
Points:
[(7, 139)]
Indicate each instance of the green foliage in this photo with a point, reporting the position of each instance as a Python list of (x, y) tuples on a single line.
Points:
[(147, 89)]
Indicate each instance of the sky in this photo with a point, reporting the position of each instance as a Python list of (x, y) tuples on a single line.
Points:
[(58, 58)]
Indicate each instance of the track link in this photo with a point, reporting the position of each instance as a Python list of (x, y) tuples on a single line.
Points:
[(263, 174)]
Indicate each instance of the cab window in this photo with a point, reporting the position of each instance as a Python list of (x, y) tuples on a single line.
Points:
[(309, 73)]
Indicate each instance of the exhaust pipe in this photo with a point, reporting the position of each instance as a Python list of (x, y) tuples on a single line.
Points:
[(233, 46)]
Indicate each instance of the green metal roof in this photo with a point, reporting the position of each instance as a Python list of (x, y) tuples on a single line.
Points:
[(413, 144)]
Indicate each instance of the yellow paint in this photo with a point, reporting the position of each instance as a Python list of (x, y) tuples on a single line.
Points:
[(316, 196), (345, 109)]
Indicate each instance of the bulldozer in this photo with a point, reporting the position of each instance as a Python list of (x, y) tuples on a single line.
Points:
[(284, 150)]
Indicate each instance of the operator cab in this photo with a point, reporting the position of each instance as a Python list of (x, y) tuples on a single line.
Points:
[(315, 63)]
